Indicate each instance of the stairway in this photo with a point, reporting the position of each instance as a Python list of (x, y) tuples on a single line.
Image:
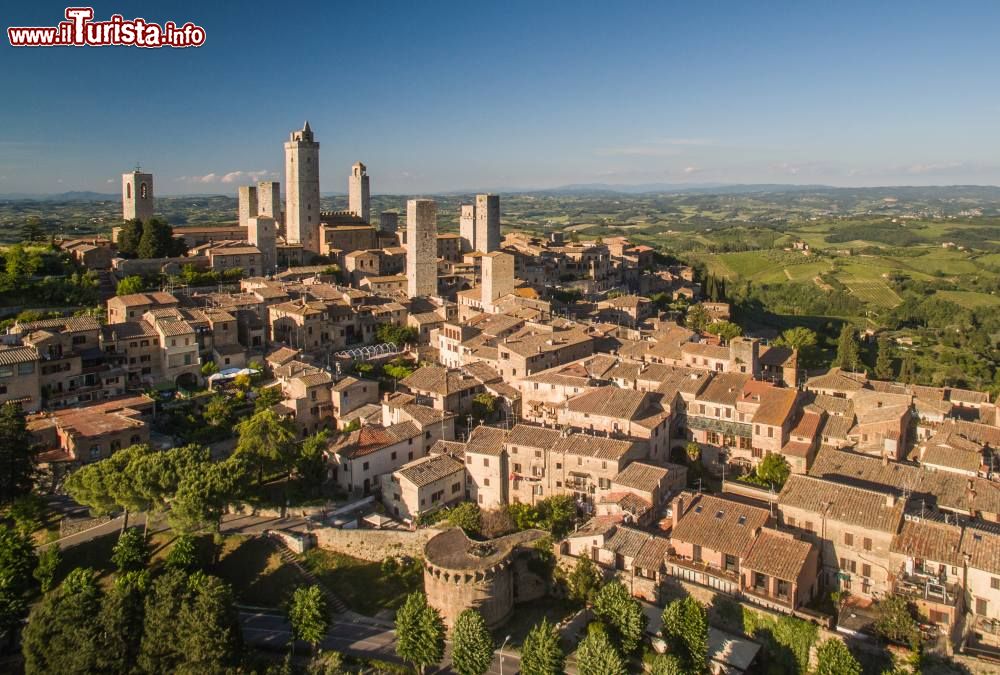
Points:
[(335, 603)]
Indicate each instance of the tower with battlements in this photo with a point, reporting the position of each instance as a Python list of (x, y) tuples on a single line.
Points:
[(302, 190), (421, 247), (137, 195), (359, 200)]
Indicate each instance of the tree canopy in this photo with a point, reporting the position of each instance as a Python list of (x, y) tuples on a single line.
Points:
[(541, 653), (472, 644), (419, 632)]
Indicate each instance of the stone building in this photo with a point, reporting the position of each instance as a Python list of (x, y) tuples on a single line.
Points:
[(358, 193), (388, 221), (246, 203), (421, 247), (137, 195), (487, 223), (490, 576), (269, 200), (302, 190), (498, 278), (262, 232)]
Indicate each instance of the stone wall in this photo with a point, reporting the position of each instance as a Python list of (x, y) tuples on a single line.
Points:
[(374, 545)]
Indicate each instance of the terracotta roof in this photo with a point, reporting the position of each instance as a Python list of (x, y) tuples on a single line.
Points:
[(724, 388), (778, 554), (593, 446), (718, 524), (643, 477), (486, 441), (429, 469), (776, 406), (432, 379), (929, 540), (609, 402), (835, 380), (981, 542), (852, 505), (532, 436), (369, 439), (12, 355)]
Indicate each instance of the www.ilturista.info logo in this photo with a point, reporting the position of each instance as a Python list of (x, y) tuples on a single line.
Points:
[(80, 30)]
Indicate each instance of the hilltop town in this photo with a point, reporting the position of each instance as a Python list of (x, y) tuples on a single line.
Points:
[(515, 421)]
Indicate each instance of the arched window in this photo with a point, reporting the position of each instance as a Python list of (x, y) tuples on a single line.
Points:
[(142, 190)]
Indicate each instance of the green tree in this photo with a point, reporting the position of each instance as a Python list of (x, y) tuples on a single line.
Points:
[(698, 318), (326, 663), (219, 411), (61, 634), (119, 633), (183, 555), (45, 570), (557, 514), (308, 615), (202, 494), (466, 516), (17, 562), (211, 641), (159, 650), (597, 656), (472, 644), (128, 237), (130, 552), (848, 351), (685, 630), (883, 361), (129, 285), (726, 330), (266, 398), (541, 653), (666, 664), (419, 632), (774, 470), (157, 240), (908, 369), (622, 614), (583, 581), (208, 369), (834, 658), (803, 341), (894, 620), (484, 405), (311, 463), (398, 370), (17, 453), (268, 441), (398, 335)]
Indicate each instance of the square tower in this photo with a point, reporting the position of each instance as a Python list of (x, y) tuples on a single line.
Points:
[(359, 200), (421, 247), (302, 190), (269, 200), (388, 221), (137, 196), (263, 233), (498, 277), (487, 223), (247, 204), (467, 227)]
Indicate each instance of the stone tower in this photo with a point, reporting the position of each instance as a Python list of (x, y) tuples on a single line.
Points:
[(247, 203), (388, 221), (745, 355), (358, 193), (487, 223), (498, 277), (421, 247), (269, 200), (137, 195), (302, 190), (263, 233), (467, 227)]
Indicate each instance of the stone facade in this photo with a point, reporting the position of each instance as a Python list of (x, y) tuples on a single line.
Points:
[(498, 277), (247, 208), (262, 232), (137, 196), (421, 247), (269, 200), (490, 576), (359, 194), (302, 190), (487, 223)]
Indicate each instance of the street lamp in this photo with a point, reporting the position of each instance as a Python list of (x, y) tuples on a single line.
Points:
[(505, 640)]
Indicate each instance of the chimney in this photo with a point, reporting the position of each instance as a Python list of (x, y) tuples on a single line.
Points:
[(678, 508), (890, 500)]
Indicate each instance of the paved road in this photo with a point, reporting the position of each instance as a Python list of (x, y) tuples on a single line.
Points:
[(270, 630)]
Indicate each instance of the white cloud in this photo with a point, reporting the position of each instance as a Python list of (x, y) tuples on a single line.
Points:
[(231, 177), (691, 169)]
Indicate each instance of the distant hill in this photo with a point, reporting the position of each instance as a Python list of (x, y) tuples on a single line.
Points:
[(63, 197)]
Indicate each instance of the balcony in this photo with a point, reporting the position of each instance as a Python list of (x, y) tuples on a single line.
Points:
[(724, 427), (702, 568), (927, 588)]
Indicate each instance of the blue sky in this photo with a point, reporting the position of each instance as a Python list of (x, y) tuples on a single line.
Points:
[(440, 96)]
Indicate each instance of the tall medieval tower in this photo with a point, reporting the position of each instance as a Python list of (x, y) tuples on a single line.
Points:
[(359, 200), (421, 247), (487, 223), (302, 190), (137, 195)]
